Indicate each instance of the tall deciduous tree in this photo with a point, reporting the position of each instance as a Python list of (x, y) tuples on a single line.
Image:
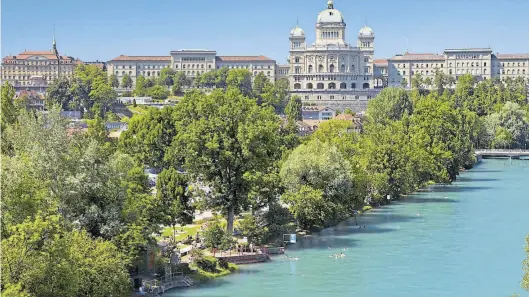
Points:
[(114, 82), (149, 136), (173, 198), (240, 79), (126, 82), (390, 105), (293, 109), (224, 138), (318, 177)]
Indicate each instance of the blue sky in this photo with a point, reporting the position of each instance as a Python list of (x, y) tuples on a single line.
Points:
[(104, 29)]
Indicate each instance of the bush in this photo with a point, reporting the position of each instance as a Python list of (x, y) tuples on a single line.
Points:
[(207, 263), (214, 235), (223, 264)]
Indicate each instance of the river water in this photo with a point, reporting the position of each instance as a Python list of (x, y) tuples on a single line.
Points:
[(466, 239)]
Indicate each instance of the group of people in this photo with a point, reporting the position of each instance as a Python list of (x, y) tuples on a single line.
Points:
[(340, 255)]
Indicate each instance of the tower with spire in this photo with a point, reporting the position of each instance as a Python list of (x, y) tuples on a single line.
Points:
[(56, 53)]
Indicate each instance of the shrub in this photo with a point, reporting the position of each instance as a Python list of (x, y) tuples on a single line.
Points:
[(223, 264), (207, 263), (214, 235)]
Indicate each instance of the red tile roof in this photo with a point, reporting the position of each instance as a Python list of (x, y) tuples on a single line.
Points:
[(142, 58), (381, 62), (243, 58), (27, 54)]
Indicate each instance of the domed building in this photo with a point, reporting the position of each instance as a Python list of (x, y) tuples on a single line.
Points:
[(331, 71)]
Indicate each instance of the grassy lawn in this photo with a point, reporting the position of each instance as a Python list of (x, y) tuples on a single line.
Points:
[(138, 109), (188, 230)]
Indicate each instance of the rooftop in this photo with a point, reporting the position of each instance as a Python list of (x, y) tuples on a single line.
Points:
[(28, 54), (244, 59), (468, 50), (142, 58), (417, 56), (315, 108), (512, 56), (381, 62)]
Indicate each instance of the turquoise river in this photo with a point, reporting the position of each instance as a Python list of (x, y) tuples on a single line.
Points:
[(466, 239)]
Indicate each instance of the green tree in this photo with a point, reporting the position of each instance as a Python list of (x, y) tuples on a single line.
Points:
[(390, 105), (42, 258), (240, 79), (8, 113), (166, 77), (321, 170), (60, 92), (126, 81), (141, 89), (97, 130), (525, 280), (114, 82), (216, 237), (293, 109), (173, 198), (149, 136), (158, 92), (224, 138), (250, 229), (404, 82), (259, 84)]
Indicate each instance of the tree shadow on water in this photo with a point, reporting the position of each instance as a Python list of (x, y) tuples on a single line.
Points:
[(473, 179), (458, 188)]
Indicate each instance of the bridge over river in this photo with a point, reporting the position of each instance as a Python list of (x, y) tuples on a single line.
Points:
[(502, 153)]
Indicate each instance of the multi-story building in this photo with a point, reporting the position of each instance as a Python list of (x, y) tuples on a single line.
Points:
[(331, 71), (35, 70), (381, 73), (191, 62), (479, 62)]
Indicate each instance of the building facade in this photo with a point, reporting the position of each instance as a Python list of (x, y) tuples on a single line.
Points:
[(331, 71), (35, 70), (482, 63), (191, 62)]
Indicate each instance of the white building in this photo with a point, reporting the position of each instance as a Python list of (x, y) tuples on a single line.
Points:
[(191, 62), (331, 71), (480, 62)]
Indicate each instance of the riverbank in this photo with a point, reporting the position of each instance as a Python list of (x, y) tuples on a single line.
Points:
[(456, 247)]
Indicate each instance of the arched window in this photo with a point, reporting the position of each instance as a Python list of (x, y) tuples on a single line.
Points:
[(130, 72), (309, 86), (148, 73), (296, 59), (343, 86), (342, 68), (310, 68), (508, 71), (365, 86), (268, 73), (331, 68), (320, 68), (404, 72), (297, 86), (122, 72), (485, 64), (332, 86), (157, 73), (523, 71), (353, 86), (320, 86)]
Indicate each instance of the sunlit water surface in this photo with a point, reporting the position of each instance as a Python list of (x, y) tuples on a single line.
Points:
[(465, 239)]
